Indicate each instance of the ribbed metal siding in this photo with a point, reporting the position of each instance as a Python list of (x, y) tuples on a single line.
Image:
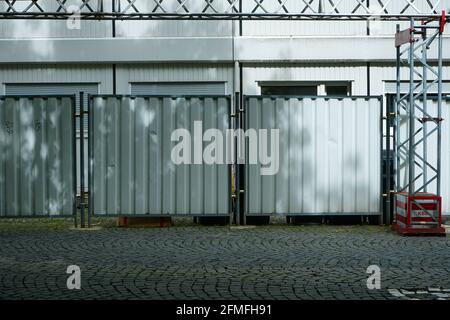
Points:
[(36, 157), (54, 89), (186, 28), (58, 73), (355, 73), (329, 156), (179, 28), (178, 88), (60, 89), (180, 73), (16, 28), (132, 172), (302, 28)]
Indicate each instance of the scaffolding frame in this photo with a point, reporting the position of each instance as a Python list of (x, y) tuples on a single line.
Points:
[(221, 9), (417, 127)]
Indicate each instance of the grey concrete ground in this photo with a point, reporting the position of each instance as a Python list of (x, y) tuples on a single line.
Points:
[(198, 262)]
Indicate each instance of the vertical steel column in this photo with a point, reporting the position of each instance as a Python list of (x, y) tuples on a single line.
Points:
[(82, 204), (74, 161), (439, 128), (388, 161), (237, 184), (424, 106), (411, 114), (397, 118)]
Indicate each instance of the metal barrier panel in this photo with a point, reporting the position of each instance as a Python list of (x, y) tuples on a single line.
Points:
[(131, 169), (329, 156), (37, 156)]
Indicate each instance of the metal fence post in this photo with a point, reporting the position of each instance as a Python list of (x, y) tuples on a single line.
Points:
[(82, 205), (237, 185), (74, 160)]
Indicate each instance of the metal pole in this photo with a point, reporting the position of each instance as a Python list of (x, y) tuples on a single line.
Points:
[(388, 161), (237, 185), (439, 130), (424, 106), (82, 206), (397, 123), (411, 110)]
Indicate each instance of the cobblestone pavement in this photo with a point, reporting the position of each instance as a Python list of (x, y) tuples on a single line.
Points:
[(198, 262)]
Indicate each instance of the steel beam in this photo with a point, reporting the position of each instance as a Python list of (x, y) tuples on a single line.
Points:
[(221, 10)]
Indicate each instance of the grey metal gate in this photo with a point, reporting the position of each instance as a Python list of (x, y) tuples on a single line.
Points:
[(329, 156), (60, 89), (37, 156), (131, 171)]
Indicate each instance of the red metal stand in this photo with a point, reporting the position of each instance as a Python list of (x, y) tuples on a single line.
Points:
[(418, 214)]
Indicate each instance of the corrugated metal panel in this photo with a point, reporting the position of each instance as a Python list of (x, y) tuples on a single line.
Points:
[(19, 89), (186, 28), (36, 157), (166, 72), (379, 73), (51, 28), (59, 89), (42, 29), (302, 28), (132, 171), (58, 73), (179, 88), (98, 75), (391, 87), (357, 74), (329, 156)]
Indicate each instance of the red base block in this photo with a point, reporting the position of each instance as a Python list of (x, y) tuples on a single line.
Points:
[(144, 222), (407, 231)]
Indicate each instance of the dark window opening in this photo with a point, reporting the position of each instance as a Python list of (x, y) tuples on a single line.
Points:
[(289, 90), (337, 91)]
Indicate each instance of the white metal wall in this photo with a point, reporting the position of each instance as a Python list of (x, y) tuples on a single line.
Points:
[(127, 74), (144, 29), (186, 88), (57, 73), (253, 73), (51, 29), (301, 28), (380, 73), (329, 157)]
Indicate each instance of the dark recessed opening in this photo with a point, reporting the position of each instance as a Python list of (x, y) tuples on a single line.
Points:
[(337, 91), (289, 90)]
